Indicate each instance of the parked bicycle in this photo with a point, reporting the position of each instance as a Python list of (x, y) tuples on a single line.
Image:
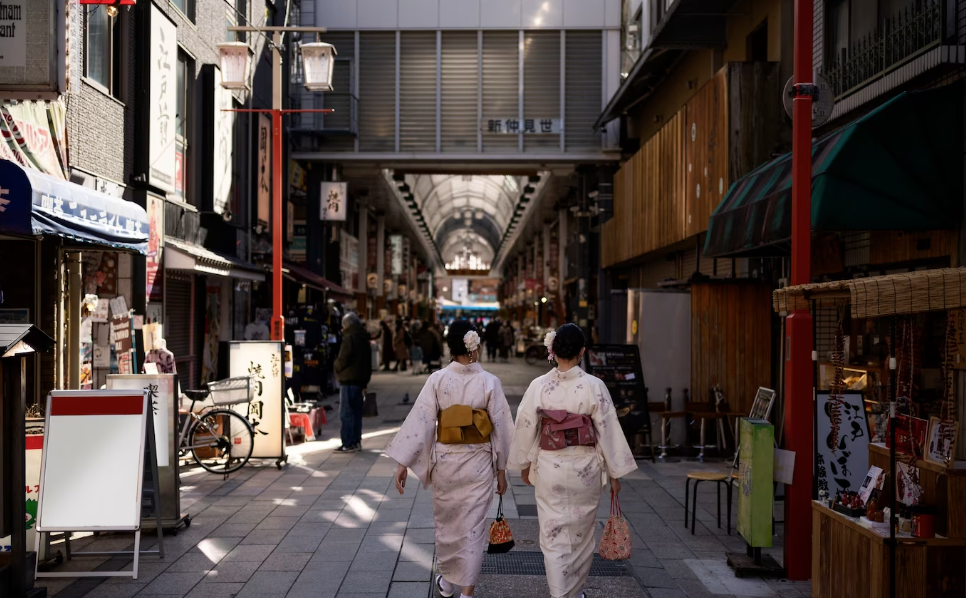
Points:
[(219, 439)]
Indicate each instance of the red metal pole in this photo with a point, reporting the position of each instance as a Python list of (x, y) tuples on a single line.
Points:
[(798, 328), (278, 320)]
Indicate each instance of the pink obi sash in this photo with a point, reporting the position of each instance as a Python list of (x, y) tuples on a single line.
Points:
[(560, 429)]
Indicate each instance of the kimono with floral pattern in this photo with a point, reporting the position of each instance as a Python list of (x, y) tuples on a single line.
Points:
[(568, 482), (461, 475)]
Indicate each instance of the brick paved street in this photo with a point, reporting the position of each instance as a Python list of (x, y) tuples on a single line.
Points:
[(332, 526)]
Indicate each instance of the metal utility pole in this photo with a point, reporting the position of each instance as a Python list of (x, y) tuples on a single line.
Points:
[(799, 391), (278, 320)]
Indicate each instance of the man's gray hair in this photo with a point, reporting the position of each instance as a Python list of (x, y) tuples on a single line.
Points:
[(350, 319)]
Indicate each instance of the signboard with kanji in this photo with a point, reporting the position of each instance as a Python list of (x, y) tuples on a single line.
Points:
[(333, 200), (262, 361), (513, 125)]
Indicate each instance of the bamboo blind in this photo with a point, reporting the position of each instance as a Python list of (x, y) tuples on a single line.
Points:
[(906, 293)]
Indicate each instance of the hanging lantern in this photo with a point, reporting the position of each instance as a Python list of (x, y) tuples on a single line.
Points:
[(235, 59), (317, 59)]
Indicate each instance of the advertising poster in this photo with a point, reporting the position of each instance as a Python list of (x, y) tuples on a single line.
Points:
[(262, 361), (123, 344), (154, 278), (13, 33)]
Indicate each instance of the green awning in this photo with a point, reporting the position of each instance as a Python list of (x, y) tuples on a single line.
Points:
[(899, 167)]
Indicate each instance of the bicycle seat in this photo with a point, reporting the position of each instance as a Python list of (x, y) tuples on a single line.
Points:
[(195, 395)]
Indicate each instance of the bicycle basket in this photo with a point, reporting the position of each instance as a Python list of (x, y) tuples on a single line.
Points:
[(231, 391)]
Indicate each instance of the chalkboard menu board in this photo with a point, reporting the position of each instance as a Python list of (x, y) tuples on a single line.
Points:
[(619, 366)]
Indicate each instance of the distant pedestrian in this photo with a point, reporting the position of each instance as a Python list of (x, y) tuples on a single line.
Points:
[(400, 344), (506, 341), (492, 336), (353, 366), (459, 461), (567, 444), (388, 352), (429, 343)]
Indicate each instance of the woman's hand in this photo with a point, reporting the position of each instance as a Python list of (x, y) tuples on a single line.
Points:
[(501, 484), (615, 486), (401, 473), (525, 474)]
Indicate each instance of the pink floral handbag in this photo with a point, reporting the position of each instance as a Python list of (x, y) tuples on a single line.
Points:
[(615, 545)]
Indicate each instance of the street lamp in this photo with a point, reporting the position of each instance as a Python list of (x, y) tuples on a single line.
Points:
[(235, 60)]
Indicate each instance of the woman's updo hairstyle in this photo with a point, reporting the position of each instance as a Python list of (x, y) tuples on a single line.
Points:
[(569, 341), (454, 340)]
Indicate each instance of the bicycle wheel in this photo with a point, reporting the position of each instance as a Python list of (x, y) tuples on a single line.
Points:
[(221, 441)]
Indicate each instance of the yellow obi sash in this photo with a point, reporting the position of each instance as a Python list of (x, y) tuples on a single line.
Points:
[(461, 424)]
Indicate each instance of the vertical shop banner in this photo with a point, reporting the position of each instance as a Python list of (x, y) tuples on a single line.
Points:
[(161, 134), (297, 248), (224, 145), (153, 277), (333, 198), (209, 362), (13, 33), (34, 446), (123, 343), (264, 168), (841, 467), (35, 135), (396, 254), (349, 258), (290, 222), (262, 361)]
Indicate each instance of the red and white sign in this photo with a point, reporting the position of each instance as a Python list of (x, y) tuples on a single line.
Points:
[(93, 457)]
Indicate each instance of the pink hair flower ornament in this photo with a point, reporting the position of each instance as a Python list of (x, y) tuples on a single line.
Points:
[(548, 343)]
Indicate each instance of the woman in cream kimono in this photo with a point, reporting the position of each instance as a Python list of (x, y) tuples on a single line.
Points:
[(567, 444), (461, 469)]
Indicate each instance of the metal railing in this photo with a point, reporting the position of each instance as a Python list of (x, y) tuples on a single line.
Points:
[(344, 121), (896, 40)]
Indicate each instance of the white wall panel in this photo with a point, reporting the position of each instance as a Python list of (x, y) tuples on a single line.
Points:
[(377, 14), (457, 14), (419, 13), (500, 14), (584, 13), (336, 14), (612, 13), (542, 13)]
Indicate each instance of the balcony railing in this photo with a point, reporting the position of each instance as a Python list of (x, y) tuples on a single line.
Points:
[(897, 40), (344, 121)]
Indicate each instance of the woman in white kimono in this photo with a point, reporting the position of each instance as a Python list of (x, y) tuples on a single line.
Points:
[(459, 456), (567, 444)]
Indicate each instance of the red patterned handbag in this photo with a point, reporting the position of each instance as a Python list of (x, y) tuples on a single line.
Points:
[(615, 544), (501, 539)]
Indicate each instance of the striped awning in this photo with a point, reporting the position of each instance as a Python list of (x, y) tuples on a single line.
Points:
[(899, 167)]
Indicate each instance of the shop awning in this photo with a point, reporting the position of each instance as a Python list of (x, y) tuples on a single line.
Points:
[(33, 203), (311, 279), (876, 296), (182, 255), (899, 167)]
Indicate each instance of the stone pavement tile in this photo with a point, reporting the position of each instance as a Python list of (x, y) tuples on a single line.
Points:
[(421, 536), (107, 590), (409, 590), (272, 536), (290, 510), (325, 504), (379, 561), (337, 551), (254, 552), (307, 528), (342, 594), (666, 593), (321, 572), (293, 544), (396, 503), (272, 523), (377, 544), (312, 589), (270, 582), (232, 572), (233, 530), (412, 551), (678, 569), (247, 517), (193, 561), (147, 571), (216, 548), (207, 589), (345, 535), (783, 587), (285, 561), (695, 588), (392, 515), (412, 572), (237, 501), (386, 528), (361, 582), (655, 578), (173, 583), (644, 558), (327, 517), (669, 550)]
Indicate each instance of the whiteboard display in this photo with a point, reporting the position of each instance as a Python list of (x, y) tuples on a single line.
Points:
[(262, 360), (160, 389), (93, 458)]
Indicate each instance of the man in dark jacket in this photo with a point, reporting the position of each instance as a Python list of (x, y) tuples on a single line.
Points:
[(492, 335), (353, 366)]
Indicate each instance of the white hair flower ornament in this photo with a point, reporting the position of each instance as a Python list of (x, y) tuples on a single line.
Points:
[(472, 341), (548, 343)]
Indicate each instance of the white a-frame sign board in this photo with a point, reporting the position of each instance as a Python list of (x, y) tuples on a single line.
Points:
[(91, 474)]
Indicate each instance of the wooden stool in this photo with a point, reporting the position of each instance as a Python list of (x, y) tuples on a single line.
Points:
[(706, 476)]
